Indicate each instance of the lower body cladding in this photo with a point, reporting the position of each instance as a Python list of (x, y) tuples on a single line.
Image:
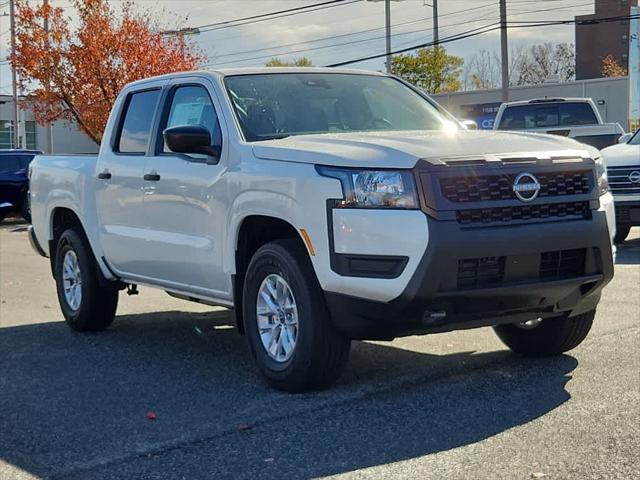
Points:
[(485, 276)]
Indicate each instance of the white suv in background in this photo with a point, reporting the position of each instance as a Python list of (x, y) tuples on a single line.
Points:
[(623, 170)]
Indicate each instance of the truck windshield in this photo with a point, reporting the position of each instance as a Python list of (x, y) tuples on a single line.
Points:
[(278, 105), (542, 115)]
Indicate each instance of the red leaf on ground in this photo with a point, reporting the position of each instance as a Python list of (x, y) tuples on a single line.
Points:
[(151, 416)]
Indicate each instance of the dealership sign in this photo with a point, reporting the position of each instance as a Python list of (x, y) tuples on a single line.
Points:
[(483, 114)]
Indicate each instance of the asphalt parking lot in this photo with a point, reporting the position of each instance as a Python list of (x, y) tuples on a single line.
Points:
[(455, 405)]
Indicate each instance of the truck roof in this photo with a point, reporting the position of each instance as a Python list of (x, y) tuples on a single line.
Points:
[(223, 72), (548, 100)]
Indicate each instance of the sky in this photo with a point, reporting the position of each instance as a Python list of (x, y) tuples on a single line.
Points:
[(332, 34)]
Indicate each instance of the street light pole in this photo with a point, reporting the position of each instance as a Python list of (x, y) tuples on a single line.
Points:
[(504, 50), (14, 78)]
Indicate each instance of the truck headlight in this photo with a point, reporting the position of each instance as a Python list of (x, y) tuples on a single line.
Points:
[(601, 174), (374, 188)]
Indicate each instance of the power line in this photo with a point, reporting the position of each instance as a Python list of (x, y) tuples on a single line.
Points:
[(322, 47), (226, 22), (273, 15), (275, 54), (488, 28)]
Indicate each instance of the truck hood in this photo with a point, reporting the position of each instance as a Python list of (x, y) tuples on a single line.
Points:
[(623, 155), (403, 149)]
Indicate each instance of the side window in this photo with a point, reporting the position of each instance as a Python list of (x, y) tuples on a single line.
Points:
[(136, 127), (191, 105)]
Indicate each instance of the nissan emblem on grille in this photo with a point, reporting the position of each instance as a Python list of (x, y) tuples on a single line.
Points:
[(634, 177), (526, 187)]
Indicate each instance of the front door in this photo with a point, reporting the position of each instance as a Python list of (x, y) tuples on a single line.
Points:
[(184, 213), (119, 182)]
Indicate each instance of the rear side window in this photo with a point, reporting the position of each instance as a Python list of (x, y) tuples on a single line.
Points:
[(522, 117), (138, 118)]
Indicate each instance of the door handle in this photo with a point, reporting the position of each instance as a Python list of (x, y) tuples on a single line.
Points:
[(151, 177), (106, 175)]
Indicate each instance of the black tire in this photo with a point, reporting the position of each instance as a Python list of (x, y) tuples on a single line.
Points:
[(622, 232), (551, 337), (97, 306), (320, 352)]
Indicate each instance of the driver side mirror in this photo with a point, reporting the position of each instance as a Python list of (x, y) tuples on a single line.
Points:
[(469, 124), (191, 139)]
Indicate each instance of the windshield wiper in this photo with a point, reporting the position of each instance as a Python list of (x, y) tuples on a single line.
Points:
[(277, 136)]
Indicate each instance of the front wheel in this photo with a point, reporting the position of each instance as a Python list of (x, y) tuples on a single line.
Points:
[(553, 336), (86, 304), (287, 323)]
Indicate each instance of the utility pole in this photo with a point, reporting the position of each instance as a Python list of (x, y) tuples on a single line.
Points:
[(436, 37), (48, 129), (14, 79), (387, 19), (504, 50)]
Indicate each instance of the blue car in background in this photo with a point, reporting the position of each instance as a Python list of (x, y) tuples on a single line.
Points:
[(14, 182)]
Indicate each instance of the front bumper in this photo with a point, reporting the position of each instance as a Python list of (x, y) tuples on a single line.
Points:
[(518, 282)]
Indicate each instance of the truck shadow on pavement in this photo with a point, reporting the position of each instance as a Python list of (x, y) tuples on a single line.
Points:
[(75, 405)]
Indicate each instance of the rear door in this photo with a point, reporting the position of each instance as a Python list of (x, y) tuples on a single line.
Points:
[(119, 179), (184, 197)]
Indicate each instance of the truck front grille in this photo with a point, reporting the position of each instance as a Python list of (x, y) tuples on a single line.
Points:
[(566, 210), (500, 187), (562, 264), (624, 180)]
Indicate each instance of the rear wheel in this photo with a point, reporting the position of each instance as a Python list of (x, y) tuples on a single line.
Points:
[(622, 232), (85, 303), (286, 320), (553, 336)]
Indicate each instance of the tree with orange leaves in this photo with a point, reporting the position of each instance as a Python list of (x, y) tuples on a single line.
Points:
[(611, 68), (76, 74)]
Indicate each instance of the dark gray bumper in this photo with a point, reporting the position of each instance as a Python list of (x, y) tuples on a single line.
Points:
[(439, 297)]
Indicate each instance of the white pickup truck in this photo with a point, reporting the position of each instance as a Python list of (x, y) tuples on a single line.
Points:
[(576, 118), (326, 205)]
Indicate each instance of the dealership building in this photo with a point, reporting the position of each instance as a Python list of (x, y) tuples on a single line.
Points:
[(67, 138)]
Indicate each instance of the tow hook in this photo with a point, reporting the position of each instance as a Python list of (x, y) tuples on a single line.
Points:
[(132, 289)]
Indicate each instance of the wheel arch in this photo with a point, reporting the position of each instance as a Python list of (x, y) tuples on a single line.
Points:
[(254, 231), (62, 218)]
